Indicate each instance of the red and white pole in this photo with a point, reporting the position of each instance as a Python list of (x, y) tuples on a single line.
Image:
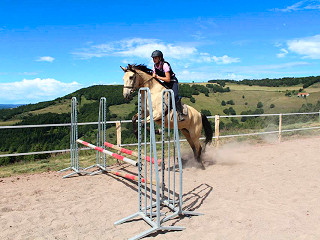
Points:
[(117, 156), (129, 152)]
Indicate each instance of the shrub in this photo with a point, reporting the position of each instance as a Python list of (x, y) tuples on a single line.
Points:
[(205, 112), (272, 105), (259, 105), (231, 102), (223, 103), (229, 111), (192, 99)]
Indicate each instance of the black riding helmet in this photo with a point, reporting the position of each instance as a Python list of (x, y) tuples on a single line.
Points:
[(157, 53)]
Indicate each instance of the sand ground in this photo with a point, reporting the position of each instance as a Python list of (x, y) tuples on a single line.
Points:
[(262, 191)]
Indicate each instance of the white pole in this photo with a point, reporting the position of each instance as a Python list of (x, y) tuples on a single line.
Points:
[(217, 123), (280, 126), (118, 127)]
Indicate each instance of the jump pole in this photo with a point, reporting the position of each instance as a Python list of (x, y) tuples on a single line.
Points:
[(129, 152), (117, 156), (128, 176)]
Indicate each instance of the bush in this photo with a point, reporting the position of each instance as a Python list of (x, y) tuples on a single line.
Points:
[(206, 112), (223, 103), (272, 105), (192, 99), (229, 111), (231, 102), (259, 105)]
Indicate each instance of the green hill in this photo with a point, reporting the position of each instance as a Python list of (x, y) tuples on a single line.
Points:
[(215, 97)]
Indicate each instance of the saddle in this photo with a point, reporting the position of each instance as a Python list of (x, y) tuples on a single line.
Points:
[(185, 110)]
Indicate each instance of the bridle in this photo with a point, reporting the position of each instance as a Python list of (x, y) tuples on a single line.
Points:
[(133, 87)]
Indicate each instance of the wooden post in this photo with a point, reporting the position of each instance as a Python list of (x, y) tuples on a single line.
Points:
[(216, 131), (280, 126), (118, 128)]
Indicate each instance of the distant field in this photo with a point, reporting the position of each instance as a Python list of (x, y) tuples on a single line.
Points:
[(123, 110), (253, 95)]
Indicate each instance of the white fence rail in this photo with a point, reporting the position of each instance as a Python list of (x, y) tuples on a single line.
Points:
[(216, 137)]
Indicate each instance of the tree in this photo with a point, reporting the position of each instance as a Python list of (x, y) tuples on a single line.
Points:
[(205, 112), (231, 102), (259, 105), (229, 111), (223, 103), (272, 105), (192, 99)]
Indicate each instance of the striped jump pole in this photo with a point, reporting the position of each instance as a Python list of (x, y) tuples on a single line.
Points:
[(128, 176), (100, 149), (74, 152), (129, 152)]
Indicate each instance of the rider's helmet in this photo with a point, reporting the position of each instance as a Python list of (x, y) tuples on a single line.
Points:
[(157, 53)]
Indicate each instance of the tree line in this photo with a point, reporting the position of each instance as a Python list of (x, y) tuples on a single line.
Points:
[(275, 82)]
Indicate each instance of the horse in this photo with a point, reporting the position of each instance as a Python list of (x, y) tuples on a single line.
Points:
[(137, 76)]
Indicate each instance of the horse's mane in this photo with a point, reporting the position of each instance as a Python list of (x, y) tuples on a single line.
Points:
[(140, 67)]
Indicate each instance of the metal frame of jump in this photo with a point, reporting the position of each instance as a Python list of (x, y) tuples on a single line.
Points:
[(101, 159), (165, 193), (73, 144)]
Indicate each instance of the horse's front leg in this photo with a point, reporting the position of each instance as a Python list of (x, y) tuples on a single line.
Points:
[(134, 125)]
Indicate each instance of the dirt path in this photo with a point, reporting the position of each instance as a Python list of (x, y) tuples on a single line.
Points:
[(268, 191)]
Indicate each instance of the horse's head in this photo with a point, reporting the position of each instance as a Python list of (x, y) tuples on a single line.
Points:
[(131, 81)]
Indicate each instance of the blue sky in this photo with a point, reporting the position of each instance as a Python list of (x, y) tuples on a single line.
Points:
[(51, 48)]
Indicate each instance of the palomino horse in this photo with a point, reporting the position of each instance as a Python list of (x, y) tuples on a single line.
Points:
[(137, 76)]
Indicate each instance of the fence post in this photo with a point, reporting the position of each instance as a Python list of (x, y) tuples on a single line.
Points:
[(280, 126), (118, 128), (216, 131), (319, 116)]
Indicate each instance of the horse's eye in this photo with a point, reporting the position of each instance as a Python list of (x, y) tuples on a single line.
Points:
[(131, 77)]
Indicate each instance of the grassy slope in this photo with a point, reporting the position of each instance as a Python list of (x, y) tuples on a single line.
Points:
[(253, 94)]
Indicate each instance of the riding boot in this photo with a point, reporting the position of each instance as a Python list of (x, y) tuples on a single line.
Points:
[(179, 110)]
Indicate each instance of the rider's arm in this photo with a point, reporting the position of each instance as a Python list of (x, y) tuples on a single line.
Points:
[(166, 78)]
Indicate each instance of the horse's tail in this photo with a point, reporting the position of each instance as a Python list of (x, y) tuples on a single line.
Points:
[(207, 129)]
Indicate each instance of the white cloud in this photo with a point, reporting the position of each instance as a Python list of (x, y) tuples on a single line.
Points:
[(283, 53), (309, 47), (45, 59), (204, 76), (301, 5), (206, 73), (142, 48), (225, 59), (35, 90), (29, 73), (136, 47)]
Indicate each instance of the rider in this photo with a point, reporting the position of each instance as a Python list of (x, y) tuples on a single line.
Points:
[(162, 71)]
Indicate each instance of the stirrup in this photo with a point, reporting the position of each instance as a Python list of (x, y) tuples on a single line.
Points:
[(180, 117)]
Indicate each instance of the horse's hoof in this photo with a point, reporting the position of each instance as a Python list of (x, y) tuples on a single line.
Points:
[(203, 167)]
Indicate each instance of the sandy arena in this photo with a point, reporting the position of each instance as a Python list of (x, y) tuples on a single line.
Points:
[(263, 191)]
